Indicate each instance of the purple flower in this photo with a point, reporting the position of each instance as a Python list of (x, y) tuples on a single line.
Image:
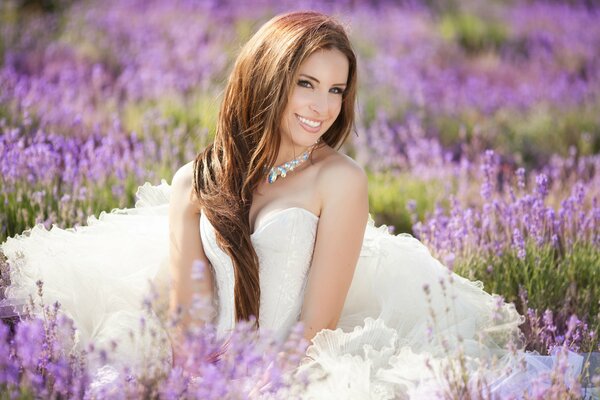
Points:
[(198, 268), (541, 182)]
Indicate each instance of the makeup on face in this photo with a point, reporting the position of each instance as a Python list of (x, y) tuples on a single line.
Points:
[(315, 100)]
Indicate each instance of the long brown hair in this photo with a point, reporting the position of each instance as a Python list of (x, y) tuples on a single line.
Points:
[(247, 138)]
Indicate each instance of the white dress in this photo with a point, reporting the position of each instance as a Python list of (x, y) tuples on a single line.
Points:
[(386, 344)]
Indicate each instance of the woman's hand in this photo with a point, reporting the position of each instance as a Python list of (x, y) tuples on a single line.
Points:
[(263, 384)]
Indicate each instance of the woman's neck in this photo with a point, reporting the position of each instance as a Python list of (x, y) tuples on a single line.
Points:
[(288, 151)]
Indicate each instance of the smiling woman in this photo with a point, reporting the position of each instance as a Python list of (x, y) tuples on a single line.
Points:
[(293, 85), (385, 318)]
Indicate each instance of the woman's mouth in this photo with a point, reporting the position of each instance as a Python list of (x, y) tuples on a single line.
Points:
[(310, 125)]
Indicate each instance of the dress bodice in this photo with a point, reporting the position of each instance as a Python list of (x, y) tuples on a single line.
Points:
[(284, 244)]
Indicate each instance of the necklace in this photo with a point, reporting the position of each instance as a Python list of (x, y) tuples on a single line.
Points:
[(289, 166)]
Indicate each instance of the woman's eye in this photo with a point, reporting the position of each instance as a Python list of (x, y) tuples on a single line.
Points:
[(337, 90), (304, 83)]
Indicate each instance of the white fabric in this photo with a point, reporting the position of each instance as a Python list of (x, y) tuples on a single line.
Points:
[(386, 345)]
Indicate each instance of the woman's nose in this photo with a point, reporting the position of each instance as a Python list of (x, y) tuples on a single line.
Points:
[(320, 103)]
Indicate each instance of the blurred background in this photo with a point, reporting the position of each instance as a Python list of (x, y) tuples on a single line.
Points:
[(478, 124)]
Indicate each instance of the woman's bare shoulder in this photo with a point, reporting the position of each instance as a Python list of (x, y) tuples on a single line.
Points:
[(184, 176), (182, 190), (337, 171)]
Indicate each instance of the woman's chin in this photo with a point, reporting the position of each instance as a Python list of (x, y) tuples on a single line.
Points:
[(306, 139)]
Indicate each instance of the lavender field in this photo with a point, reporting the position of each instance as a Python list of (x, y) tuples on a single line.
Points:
[(478, 124)]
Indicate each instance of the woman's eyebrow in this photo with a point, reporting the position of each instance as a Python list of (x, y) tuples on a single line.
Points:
[(316, 80)]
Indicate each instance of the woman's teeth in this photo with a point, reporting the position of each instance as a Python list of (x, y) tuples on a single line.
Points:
[(313, 124)]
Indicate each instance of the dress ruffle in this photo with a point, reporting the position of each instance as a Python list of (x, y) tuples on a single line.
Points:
[(405, 320), (101, 275)]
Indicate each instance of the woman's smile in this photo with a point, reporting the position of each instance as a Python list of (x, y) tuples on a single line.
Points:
[(310, 125)]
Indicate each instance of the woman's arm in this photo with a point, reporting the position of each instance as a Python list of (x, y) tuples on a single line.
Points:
[(344, 213), (185, 247)]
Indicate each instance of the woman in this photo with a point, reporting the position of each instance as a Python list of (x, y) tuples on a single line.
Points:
[(280, 217), (304, 91)]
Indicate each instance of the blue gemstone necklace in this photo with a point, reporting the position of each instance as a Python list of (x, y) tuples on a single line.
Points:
[(288, 166)]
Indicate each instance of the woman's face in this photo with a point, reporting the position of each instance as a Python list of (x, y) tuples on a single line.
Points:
[(316, 98)]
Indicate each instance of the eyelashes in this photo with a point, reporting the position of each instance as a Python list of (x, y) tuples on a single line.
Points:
[(307, 84)]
